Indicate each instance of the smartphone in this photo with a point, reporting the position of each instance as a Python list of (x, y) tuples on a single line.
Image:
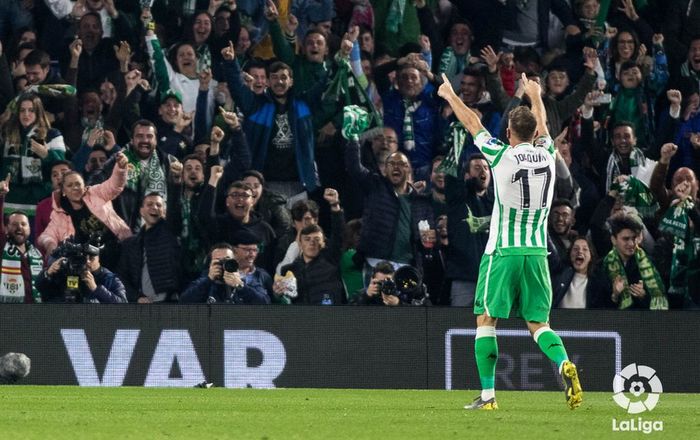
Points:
[(605, 98)]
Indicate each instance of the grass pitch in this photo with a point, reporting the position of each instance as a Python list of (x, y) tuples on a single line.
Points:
[(34, 412)]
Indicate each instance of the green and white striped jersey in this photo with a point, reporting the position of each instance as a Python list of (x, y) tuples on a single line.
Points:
[(523, 180)]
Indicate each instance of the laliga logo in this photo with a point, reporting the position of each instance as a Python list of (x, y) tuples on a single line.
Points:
[(636, 376), (636, 380)]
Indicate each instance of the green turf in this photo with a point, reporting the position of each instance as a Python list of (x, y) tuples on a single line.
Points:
[(32, 412)]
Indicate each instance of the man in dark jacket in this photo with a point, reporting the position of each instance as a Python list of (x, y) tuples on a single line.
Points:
[(562, 217), (392, 209), (97, 56), (277, 126), (239, 215), (150, 260), (96, 284), (247, 285), (469, 206), (317, 269)]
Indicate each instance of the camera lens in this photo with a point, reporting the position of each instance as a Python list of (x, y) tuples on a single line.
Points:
[(230, 265)]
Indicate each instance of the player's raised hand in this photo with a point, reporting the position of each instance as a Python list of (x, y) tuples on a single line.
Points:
[(532, 88), (228, 52), (446, 91)]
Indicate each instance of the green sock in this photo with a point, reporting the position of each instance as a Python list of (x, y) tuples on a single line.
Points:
[(551, 345), (486, 354)]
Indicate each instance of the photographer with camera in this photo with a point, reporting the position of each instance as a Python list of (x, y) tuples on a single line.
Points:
[(232, 277), (77, 276), (381, 289)]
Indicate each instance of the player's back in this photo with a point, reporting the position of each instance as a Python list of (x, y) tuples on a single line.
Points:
[(523, 178)]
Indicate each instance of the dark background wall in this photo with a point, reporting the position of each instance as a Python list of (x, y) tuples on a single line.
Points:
[(337, 347)]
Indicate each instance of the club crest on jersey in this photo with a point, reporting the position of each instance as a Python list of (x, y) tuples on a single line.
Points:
[(540, 142)]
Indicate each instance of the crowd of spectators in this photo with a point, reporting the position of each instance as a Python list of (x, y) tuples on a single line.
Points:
[(207, 151)]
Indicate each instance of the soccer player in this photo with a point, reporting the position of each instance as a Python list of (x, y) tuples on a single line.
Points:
[(513, 270)]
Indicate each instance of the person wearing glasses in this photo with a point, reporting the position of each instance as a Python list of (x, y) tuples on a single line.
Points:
[(221, 284), (239, 215)]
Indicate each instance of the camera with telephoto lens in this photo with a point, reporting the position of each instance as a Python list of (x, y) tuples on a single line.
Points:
[(387, 287), (75, 258), (74, 263), (409, 283)]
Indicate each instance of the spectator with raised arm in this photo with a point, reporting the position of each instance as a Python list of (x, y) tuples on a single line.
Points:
[(278, 128), (82, 212)]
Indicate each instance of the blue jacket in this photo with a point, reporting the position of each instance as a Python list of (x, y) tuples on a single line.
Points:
[(259, 111), (427, 133), (256, 290)]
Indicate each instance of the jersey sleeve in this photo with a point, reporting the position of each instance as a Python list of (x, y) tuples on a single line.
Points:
[(545, 142), (489, 146)]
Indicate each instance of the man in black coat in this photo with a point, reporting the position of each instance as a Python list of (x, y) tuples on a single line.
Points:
[(150, 260), (392, 209), (317, 269), (469, 206)]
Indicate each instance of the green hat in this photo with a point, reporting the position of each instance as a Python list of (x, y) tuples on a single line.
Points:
[(170, 93)]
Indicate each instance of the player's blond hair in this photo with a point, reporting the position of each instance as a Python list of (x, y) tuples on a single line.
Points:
[(522, 123)]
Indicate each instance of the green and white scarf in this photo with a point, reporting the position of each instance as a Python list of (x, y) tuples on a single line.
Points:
[(24, 166), (355, 122), (637, 195), (651, 279), (145, 177), (11, 279), (637, 159), (50, 90), (409, 142), (456, 137), (395, 16), (451, 64), (675, 222), (345, 89)]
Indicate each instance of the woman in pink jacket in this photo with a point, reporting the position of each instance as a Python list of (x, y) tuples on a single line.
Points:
[(83, 212)]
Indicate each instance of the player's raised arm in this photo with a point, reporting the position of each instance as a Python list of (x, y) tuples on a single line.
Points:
[(466, 116), (534, 92)]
